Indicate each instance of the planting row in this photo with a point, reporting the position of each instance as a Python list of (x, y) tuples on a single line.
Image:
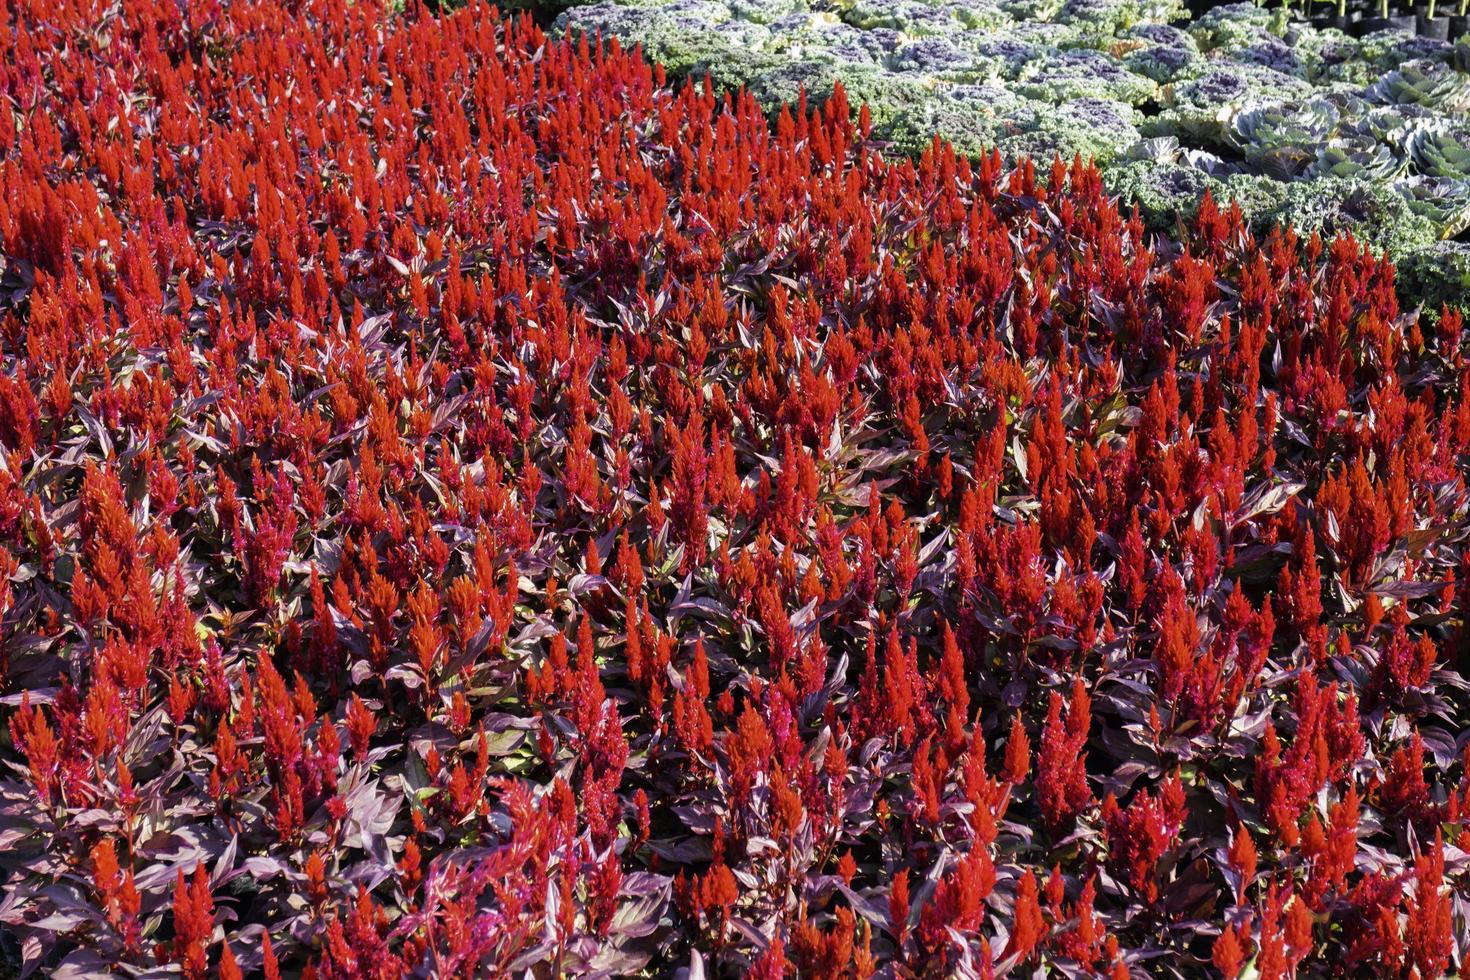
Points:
[(1310, 127), (467, 508)]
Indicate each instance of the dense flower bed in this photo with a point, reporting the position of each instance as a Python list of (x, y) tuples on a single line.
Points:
[(1302, 126), (469, 509)]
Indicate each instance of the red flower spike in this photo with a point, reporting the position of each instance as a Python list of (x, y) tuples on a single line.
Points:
[(193, 923), (1018, 754), (1028, 925), (1228, 954), (1061, 771)]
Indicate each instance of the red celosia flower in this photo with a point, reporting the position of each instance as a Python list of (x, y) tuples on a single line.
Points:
[(193, 923), (1028, 926), (1139, 835), (1061, 770)]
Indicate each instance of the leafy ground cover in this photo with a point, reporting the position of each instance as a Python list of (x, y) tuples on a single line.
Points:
[(1302, 126), (470, 509)]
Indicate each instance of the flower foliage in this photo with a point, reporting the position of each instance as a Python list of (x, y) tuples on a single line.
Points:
[(467, 508)]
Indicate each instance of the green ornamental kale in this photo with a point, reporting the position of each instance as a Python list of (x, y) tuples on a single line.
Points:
[(1443, 200), (1359, 155), (1065, 75), (1438, 275), (1441, 148), (1233, 24), (1371, 211), (1432, 84), (1162, 191), (1200, 108), (911, 17), (1094, 129), (974, 126), (764, 11), (1281, 138)]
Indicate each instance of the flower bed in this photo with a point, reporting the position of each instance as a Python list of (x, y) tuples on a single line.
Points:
[(469, 509), (1310, 127)]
